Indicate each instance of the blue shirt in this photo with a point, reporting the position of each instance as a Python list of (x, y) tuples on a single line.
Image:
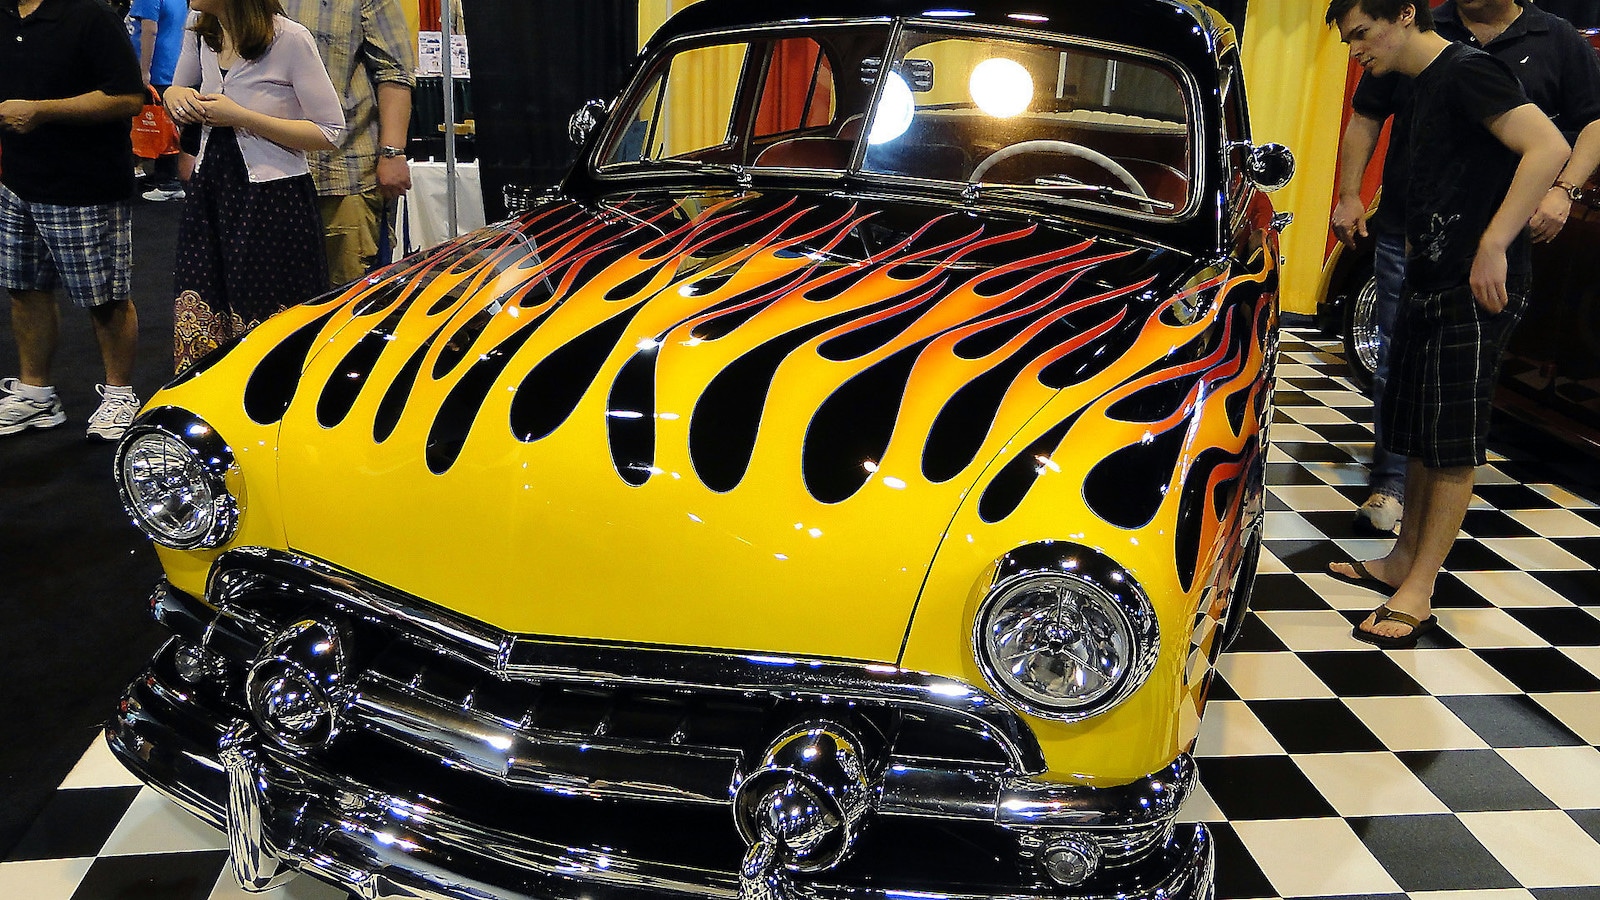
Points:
[(170, 17)]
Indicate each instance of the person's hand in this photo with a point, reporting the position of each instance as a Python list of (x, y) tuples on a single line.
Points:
[(1551, 216), (394, 177), (1349, 220), (183, 104), (1488, 279), (19, 116), (220, 110)]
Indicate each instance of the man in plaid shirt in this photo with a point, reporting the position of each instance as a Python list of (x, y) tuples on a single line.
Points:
[(367, 48)]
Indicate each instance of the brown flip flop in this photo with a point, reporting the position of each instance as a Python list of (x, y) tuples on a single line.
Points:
[(1363, 579), (1383, 613)]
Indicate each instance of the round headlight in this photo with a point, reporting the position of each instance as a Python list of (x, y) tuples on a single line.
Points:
[(1061, 645), (172, 474)]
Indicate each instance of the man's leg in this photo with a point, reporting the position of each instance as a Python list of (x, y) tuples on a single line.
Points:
[(116, 328), (36, 322), (350, 225), (1395, 566), (1447, 495), (1387, 476)]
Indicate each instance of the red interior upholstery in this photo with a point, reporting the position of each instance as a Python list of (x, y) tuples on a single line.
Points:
[(806, 153)]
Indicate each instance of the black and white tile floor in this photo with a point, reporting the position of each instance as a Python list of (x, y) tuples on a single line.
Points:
[(1466, 769)]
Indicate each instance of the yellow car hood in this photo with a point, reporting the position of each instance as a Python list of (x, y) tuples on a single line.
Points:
[(742, 421)]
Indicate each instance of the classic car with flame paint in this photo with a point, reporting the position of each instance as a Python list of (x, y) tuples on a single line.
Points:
[(840, 486)]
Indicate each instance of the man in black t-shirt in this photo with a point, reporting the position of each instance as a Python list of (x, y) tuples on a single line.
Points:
[(1477, 160), (1560, 74), (69, 89)]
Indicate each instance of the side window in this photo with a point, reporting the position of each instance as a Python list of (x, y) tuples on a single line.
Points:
[(687, 109), (1236, 129), (798, 92)]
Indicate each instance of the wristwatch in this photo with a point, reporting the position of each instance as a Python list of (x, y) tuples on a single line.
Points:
[(1574, 192), (388, 152)]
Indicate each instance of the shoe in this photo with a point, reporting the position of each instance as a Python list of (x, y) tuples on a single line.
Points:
[(161, 195), (1419, 627), (115, 413), (19, 413), (1380, 514)]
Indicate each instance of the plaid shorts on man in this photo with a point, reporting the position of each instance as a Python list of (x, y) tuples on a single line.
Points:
[(1443, 366), (89, 249)]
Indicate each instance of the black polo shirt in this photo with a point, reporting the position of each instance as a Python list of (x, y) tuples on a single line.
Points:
[(1557, 67), (64, 49)]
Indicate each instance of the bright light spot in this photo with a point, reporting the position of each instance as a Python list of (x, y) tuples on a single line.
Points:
[(693, 342), (500, 742), (514, 312), (799, 525), (694, 518), (809, 753), (894, 482), (895, 109), (648, 344), (1027, 17), (971, 539), (686, 290), (1001, 87), (624, 414), (1147, 438), (1046, 462), (870, 465), (950, 13), (815, 532), (668, 417), (950, 690), (779, 556)]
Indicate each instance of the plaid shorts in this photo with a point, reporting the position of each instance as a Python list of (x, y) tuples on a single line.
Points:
[(87, 248), (1443, 365)]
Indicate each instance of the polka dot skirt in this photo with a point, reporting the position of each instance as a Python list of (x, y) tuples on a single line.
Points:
[(245, 250)]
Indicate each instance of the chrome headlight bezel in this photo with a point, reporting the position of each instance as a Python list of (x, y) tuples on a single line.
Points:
[(199, 447), (1092, 576)]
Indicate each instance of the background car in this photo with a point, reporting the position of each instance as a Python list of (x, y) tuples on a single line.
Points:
[(840, 485)]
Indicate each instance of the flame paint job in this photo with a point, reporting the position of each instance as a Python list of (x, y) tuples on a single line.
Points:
[(770, 422)]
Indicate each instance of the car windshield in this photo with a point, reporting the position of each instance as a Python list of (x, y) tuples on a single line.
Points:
[(969, 113)]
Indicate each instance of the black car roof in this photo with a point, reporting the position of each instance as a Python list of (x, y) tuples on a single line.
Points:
[(1189, 32)]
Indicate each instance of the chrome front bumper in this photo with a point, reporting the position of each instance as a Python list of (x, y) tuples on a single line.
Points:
[(409, 801)]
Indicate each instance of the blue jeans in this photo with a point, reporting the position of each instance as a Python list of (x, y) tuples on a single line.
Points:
[(1388, 474)]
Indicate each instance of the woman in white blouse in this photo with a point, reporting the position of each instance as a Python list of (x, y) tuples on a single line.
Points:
[(250, 242)]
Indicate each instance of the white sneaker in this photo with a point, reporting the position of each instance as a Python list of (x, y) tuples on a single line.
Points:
[(114, 415), (19, 413), (1380, 514), (161, 195)]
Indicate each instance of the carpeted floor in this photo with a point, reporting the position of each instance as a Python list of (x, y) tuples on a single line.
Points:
[(73, 571)]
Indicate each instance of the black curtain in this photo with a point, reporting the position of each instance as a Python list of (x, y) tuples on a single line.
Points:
[(1233, 11), (1582, 13), (533, 63)]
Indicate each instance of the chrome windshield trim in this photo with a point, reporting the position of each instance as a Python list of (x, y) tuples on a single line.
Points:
[(537, 658)]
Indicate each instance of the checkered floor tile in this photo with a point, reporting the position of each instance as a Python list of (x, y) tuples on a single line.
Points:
[(1466, 769)]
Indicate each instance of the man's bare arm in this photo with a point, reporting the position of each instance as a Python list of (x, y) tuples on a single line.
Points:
[(394, 119), (23, 116), (1360, 141), (1555, 206), (1543, 151)]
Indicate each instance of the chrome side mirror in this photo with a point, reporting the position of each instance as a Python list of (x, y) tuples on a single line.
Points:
[(585, 121), (1269, 166)]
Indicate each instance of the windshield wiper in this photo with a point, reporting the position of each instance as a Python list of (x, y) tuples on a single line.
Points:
[(1051, 185), (739, 173)]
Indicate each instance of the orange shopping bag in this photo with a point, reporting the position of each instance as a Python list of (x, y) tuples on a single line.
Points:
[(153, 132)]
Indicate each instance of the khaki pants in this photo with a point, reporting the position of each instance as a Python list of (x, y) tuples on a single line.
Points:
[(350, 224)]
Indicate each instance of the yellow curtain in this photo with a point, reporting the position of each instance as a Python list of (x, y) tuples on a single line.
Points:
[(1294, 69)]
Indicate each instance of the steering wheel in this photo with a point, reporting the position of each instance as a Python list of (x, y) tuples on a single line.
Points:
[(1061, 148)]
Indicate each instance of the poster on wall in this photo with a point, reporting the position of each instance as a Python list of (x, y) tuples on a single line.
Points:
[(430, 60)]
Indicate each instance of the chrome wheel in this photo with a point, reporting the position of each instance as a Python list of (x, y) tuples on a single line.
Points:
[(1361, 343)]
